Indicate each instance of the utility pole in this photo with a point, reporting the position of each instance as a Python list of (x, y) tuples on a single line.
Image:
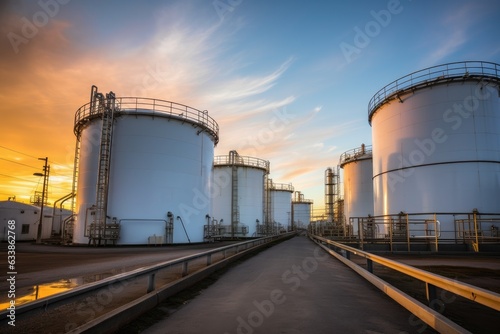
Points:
[(44, 195)]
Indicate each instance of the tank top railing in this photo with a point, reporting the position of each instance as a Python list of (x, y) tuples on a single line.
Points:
[(281, 186), (242, 161), (434, 74), (147, 106), (355, 154)]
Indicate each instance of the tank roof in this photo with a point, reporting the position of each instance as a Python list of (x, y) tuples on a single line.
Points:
[(435, 75), (152, 107), (244, 161), (356, 154), (281, 187)]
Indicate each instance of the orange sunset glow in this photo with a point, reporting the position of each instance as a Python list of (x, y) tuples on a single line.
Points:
[(298, 105)]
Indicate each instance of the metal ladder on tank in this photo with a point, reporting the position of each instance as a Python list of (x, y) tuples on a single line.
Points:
[(68, 229), (106, 107), (235, 213), (268, 206)]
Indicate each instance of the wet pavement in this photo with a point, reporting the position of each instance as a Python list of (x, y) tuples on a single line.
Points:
[(293, 287), (44, 270)]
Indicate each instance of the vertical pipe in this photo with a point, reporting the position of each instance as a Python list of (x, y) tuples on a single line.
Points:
[(408, 232), (390, 233), (360, 232), (476, 247), (436, 232), (44, 195)]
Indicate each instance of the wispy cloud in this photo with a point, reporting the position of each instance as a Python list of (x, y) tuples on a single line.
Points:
[(453, 34), (179, 61), (243, 87)]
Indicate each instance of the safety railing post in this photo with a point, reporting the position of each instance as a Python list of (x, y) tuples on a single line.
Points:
[(431, 294), (184, 269), (369, 265), (209, 259), (151, 282)]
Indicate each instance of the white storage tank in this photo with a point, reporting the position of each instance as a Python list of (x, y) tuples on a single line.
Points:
[(301, 211), (157, 178), (281, 204), (358, 184), (238, 193), (436, 142)]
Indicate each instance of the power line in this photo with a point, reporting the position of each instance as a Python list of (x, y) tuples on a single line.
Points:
[(9, 149), (31, 181), (19, 163), (32, 156), (52, 162), (52, 173), (18, 178)]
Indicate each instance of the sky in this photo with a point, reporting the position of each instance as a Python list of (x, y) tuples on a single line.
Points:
[(287, 81)]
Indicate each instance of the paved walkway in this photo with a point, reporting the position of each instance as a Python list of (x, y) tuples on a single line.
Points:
[(293, 287)]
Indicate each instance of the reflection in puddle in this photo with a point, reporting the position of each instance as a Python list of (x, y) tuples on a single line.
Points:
[(32, 293), (29, 294)]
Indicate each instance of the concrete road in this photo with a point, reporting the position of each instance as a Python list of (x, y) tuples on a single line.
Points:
[(293, 287)]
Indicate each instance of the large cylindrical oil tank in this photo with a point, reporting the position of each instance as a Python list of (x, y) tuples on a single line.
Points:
[(358, 184), (436, 142), (158, 175), (281, 204), (238, 193), (301, 211)]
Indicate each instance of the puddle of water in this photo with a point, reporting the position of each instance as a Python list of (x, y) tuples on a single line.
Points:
[(35, 292), (31, 293)]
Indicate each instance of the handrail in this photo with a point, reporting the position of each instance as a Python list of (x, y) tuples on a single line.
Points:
[(479, 295), (281, 186), (228, 160), (355, 154), (149, 270), (302, 201), (433, 75), (148, 106)]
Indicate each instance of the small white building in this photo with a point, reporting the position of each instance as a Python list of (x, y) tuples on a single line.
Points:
[(26, 218)]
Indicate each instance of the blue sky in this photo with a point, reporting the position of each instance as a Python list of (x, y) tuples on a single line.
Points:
[(287, 81)]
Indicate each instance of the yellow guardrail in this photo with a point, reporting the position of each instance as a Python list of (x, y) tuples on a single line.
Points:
[(426, 314)]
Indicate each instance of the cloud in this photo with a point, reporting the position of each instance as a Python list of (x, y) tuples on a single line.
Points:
[(43, 85), (244, 87), (448, 46), (454, 32)]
